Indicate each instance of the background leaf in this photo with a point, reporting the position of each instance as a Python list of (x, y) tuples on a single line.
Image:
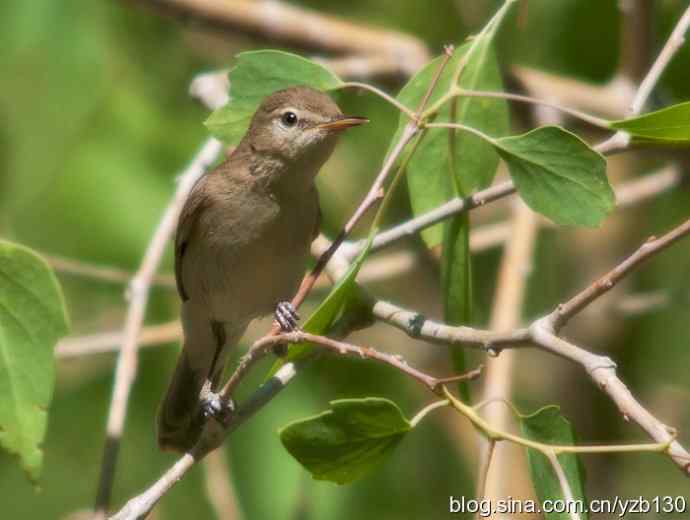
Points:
[(558, 175), (256, 75), (547, 425), (347, 441), (670, 125), (32, 318)]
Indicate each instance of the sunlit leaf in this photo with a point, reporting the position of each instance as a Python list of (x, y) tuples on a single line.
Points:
[(256, 75), (548, 426), (346, 442), (32, 318), (558, 175), (670, 125)]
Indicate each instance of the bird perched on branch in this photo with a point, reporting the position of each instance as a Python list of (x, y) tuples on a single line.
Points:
[(241, 246)]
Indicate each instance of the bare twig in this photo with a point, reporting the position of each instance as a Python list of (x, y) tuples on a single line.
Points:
[(219, 488), (102, 273), (621, 140), (395, 52), (563, 482), (570, 308), (611, 99), (674, 43), (70, 348), (542, 334), (139, 506), (627, 194), (578, 114)]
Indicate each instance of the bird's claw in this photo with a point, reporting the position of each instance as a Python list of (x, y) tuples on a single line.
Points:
[(212, 405), (286, 316)]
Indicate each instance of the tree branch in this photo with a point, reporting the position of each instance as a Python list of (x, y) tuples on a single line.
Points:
[(387, 52)]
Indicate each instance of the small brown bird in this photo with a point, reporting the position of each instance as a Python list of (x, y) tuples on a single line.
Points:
[(241, 246)]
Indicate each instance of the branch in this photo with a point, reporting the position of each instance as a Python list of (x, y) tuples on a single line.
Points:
[(69, 348), (573, 306), (388, 52), (542, 334), (102, 273), (214, 433), (621, 139)]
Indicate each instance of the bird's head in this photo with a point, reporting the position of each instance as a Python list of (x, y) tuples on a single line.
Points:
[(298, 124)]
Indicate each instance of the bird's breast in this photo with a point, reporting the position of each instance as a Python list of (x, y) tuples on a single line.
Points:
[(256, 255)]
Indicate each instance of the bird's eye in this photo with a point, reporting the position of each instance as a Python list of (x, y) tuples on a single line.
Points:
[(289, 118)]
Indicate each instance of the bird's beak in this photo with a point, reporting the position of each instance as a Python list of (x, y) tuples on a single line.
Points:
[(342, 123)]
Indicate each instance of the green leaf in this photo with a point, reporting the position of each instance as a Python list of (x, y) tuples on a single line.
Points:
[(32, 318), (347, 441), (558, 175), (256, 75), (670, 125), (474, 161), (548, 426), (456, 283)]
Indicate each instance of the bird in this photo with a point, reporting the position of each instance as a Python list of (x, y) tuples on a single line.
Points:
[(241, 246)]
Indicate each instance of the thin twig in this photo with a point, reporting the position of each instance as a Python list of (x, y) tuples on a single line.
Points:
[(101, 273), (298, 27), (563, 483), (139, 506), (621, 139), (102, 342), (673, 45), (125, 371), (570, 308), (219, 488)]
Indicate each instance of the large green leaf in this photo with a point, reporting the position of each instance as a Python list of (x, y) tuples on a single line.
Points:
[(474, 160), (669, 125), (547, 425), (558, 175), (32, 318), (347, 441), (256, 75)]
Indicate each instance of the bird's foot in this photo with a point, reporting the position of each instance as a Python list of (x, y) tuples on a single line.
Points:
[(286, 316), (213, 405)]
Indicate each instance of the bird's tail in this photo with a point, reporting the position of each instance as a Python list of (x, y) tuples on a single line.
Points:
[(180, 420)]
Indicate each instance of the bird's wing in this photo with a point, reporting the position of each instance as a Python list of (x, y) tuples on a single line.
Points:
[(317, 220), (194, 205)]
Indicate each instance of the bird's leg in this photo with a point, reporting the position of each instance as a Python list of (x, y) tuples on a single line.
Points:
[(286, 316), (212, 404)]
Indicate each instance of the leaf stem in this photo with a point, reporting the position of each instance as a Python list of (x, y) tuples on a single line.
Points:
[(465, 128), (498, 435), (428, 408)]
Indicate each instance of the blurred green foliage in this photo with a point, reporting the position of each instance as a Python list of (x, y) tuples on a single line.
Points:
[(95, 122)]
